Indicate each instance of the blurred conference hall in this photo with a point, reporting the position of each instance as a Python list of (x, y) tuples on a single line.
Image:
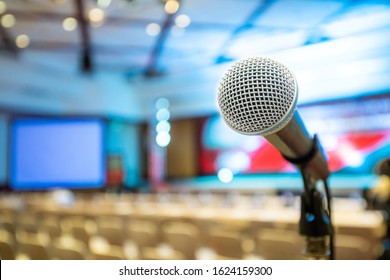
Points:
[(113, 146)]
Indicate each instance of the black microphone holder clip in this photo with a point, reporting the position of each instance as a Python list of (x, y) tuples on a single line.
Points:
[(315, 221)]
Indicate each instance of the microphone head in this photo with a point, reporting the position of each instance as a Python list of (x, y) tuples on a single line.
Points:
[(257, 96)]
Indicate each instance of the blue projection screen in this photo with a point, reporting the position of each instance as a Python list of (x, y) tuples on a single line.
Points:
[(51, 153)]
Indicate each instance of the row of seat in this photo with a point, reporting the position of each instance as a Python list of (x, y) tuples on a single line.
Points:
[(79, 238), (153, 233), (180, 241)]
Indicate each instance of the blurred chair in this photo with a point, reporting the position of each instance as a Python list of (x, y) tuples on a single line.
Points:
[(182, 237), (7, 244), (67, 247), (349, 247), (368, 227), (7, 222), (33, 246), (27, 222), (144, 234), (79, 227), (101, 249), (227, 244), (279, 244), (241, 226), (112, 229), (33, 250), (161, 253), (370, 224), (205, 224), (51, 225)]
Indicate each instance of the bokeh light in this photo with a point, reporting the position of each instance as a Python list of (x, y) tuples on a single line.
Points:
[(8, 21), (172, 6), (69, 24), (163, 138), (153, 29), (22, 41), (182, 21), (225, 175)]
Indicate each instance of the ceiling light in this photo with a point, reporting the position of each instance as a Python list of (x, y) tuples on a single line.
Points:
[(163, 126), (8, 21), (225, 175), (96, 17), (69, 24), (162, 103), (3, 7), (153, 29), (22, 41), (182, 21), (163, 138), (171, 6), (163, 115)]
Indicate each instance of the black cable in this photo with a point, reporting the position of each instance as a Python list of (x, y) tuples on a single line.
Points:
[(331, 236)]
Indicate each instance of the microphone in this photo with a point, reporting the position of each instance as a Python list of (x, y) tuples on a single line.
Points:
[(258, 96)]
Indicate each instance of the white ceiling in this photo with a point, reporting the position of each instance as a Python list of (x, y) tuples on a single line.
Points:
[(337, 49)]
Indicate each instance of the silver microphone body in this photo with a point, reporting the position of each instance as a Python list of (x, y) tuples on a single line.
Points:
[(293, 141), (258, 96)]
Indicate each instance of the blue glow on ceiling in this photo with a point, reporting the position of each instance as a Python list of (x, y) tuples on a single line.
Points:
[(336, 48)]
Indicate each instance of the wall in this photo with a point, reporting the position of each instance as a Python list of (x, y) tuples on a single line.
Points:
[(3, 149), (124, 139), (27, 88), (182, 152)]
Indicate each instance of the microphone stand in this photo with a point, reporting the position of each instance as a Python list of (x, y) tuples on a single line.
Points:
[(315, 220)]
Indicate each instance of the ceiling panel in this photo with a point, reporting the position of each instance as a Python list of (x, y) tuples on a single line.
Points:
[(64, 7), (149, 10), (64, 61), (298, 13), (195, 48), (358, 19), (44, 31), (312, 37), (184, 63), (209, 39), (122, 62), (264, 41), (121, 36), (231, 12)]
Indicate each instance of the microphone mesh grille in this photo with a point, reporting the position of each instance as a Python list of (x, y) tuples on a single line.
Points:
[(257, 94)]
